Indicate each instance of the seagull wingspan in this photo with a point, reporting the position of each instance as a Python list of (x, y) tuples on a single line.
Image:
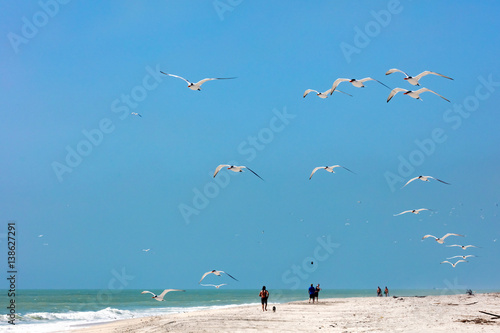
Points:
[(232, 277), (220, 167), (308, 91), (179, 77), (199, 83), (393, 70), (254, 174), (205, 275), (347, 169), (409, 181), (336, 83), (427, 236), (451, 234), (419, 76), (439, 180), (370, 79), (315, 169), (421, 90), (167, 291), (394, 92), (148, 292)]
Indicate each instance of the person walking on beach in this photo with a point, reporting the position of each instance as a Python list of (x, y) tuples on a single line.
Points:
[(386, 291), (312, 293), (264, 294), (316, 293), (379, 291)]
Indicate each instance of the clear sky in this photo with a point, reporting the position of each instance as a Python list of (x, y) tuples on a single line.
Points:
[(91, 186)]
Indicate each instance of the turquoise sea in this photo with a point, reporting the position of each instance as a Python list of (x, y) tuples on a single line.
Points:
[(65, 310)]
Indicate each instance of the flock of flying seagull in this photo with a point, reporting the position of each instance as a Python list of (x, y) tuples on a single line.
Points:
[(413, 80)]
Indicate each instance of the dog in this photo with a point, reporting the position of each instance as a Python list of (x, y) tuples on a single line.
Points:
[(274, 309)]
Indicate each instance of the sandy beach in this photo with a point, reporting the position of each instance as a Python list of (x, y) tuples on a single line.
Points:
[(460, 313)]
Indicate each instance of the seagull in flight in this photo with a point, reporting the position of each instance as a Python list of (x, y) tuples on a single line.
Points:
[(414, 211), (441, 240), (146, 250), (446, 261), (463, 257), (324, 94), (328, 168), (218, 273), (234, 169), (159, 298), (213, 285), (425, 179), (461, 246), (356, 83), (135, 114), (414, 79), (197, 85), (414, 94)]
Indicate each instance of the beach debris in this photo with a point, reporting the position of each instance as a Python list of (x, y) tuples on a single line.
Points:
[(495, 316)]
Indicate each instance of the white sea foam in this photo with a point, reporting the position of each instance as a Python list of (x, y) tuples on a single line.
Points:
[(44, 322)]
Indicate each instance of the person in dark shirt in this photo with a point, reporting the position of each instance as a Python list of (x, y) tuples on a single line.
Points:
[(312, 292), (316, 293), (264, 294)]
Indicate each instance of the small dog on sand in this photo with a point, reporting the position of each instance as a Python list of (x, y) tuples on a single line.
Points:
[(274, 309)]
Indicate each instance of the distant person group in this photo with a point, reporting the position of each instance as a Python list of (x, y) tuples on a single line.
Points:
[(314, 293), (379, 292)]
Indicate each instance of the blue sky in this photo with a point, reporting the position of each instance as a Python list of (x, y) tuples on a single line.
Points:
[(145, 183)]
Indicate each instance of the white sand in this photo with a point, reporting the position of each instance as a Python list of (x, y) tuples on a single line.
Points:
[(459, 313)]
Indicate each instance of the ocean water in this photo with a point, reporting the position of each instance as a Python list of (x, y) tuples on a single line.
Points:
[(65, 310)]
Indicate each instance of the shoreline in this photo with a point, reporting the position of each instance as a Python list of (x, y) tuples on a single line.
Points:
[(441, 313)]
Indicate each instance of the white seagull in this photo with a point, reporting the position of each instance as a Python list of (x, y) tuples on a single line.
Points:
[(414, 94), (328, 168), (159, 298), (441, 240), (356, 83), (197, 85), (414, 79), (323, 94), (446, 261), (234, 169), (135, 114), (146, 250), (213, 285), (218, 273), (461, 246), (425, 179), (463, 257), (414, 211)]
